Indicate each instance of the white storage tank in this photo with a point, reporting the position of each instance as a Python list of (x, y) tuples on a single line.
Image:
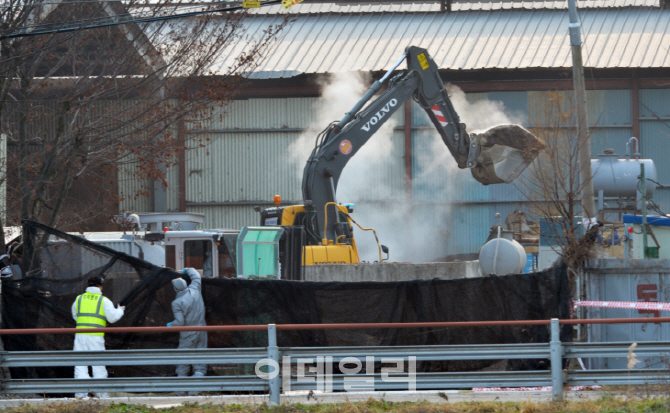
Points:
[(502, 256), (618, 178)]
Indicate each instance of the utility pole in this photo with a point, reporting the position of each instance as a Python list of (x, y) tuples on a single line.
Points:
[(583, 139)]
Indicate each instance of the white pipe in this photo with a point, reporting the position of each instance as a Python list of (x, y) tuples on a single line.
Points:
[(636, 147)]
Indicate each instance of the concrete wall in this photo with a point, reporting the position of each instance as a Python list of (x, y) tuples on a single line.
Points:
[(393, 271)]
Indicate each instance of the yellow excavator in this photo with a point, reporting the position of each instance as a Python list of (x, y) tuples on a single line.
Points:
[(322, 228)]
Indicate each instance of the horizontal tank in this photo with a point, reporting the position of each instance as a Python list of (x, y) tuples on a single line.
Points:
[(618, 178), (502, 256)]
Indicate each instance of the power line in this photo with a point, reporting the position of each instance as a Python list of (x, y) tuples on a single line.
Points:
[(106, 1), (106, 22), (152, 11), (77, 23), (134, 21)]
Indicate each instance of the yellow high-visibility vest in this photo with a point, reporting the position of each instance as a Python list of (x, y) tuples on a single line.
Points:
[(90, 312)]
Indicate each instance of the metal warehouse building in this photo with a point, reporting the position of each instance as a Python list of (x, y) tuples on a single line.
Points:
[(507, 52)]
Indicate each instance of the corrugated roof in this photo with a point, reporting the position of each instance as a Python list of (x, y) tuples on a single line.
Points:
[(457, 5), (629, 37)]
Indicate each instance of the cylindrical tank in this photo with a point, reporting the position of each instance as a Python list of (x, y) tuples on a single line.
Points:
[(618, 178), (510, 257)]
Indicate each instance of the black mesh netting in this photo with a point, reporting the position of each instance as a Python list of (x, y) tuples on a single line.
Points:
[(45, 302)]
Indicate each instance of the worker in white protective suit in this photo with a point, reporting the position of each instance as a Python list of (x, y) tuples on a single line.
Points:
[(93, 310), (189, 310)]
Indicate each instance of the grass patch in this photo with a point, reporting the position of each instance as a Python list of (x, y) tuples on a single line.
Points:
[(604, 405)]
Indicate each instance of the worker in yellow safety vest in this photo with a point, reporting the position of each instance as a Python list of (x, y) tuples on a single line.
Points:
[(93, 310)]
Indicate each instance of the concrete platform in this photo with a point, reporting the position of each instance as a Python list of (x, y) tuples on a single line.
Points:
[(392, 271)]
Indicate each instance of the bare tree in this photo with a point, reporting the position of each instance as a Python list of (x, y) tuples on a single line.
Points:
[(553, 183), (78, 102)]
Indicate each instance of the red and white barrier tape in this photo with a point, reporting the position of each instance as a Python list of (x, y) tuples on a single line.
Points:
[(633, 305), (543, 388)]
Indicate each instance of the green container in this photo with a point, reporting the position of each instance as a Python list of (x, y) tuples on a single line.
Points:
[(652, 252)]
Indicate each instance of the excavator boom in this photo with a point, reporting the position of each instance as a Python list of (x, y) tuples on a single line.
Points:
[(498, 155)]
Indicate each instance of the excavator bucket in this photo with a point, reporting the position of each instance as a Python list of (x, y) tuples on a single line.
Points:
[(506, 151)]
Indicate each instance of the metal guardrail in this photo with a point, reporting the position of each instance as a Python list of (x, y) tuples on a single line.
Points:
[(555, 351), (131, 357), (136, 384)]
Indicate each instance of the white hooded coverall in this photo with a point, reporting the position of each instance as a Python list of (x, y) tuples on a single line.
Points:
[(189, 310), (88, 342)]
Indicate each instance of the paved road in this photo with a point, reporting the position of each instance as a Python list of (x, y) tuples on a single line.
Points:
[(450, 396)]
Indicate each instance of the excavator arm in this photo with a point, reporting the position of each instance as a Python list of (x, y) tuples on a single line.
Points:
[(498, 155)]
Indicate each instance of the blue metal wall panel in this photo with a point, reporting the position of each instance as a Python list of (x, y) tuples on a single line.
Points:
[(655, 136), (516, 105), (609, 107), (506, 192), (543, 108), (609, 138), (610, 120), (469, 228), (654, 103)]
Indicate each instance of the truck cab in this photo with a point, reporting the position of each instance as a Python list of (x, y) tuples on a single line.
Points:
[(211, 252)]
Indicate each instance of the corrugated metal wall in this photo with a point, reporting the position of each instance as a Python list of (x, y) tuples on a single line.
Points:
[(251, 153), (241, 167), (135, 194), (655, 137)]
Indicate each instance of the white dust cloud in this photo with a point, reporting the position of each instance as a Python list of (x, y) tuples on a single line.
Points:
[(374, 179), (340, 92), (481, 114)]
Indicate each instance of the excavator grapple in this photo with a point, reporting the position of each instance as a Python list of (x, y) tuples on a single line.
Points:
[(505, 151)]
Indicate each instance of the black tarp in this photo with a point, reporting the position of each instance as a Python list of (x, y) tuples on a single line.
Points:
[(44, 301)]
